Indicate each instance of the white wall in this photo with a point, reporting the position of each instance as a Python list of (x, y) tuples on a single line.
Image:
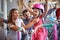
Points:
[(12, 4), (0, 5), (1, 9)]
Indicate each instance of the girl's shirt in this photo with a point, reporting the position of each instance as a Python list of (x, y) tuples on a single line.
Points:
[(41, 33), (39, 22)]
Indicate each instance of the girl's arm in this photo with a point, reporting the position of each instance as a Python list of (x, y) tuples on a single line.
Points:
[(31, 23), (45, 12), (29, 9), (15, 28)]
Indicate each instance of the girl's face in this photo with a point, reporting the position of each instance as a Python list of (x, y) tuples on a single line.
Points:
[(36, 12), (15, 14)]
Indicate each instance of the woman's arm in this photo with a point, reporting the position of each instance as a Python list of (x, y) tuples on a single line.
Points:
[(13, 27)]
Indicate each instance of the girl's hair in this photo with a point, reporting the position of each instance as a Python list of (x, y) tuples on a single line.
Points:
[(10, 15), (40, 12)]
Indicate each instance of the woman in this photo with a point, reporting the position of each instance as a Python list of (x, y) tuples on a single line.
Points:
[(14, 24)]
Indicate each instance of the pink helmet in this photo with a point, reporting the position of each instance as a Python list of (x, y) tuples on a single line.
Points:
[(38, 6)]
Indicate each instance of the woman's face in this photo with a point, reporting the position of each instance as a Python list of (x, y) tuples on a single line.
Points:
[(15, 14), (36, 12)]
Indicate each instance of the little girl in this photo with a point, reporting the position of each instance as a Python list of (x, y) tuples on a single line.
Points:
[(41, 33)]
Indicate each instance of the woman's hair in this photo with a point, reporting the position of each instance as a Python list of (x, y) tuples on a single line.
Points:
[(10, 15)]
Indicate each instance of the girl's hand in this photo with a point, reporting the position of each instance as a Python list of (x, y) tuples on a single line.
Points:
[(27, 7), (36, 20), (21, 29)]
